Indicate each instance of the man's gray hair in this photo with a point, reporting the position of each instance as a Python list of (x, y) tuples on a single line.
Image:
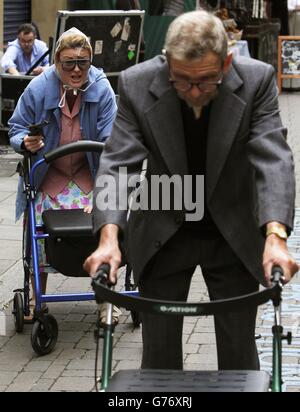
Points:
[(194, 34)]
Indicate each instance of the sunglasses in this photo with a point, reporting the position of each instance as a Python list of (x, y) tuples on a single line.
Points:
[(69, 65)]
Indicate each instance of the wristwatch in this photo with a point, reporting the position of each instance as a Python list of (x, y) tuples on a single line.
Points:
[(278, 231)]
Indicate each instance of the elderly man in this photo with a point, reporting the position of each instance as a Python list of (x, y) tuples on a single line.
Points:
[(22, 53), (198, 112)]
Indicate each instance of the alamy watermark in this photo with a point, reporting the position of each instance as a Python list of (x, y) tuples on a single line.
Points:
[(181, 193)]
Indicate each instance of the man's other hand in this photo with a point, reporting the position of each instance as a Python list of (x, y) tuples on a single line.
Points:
[(38, 70), (14, 71)]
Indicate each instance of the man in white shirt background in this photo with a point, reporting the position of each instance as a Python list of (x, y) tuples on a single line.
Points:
[(22, 53)]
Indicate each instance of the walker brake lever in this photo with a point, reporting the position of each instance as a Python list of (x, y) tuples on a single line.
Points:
[(37, 129)]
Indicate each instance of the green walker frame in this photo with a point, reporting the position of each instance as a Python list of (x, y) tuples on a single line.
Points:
[(131, 301)]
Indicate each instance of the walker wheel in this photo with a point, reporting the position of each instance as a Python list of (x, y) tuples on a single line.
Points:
[(18, 312), (44, 335)]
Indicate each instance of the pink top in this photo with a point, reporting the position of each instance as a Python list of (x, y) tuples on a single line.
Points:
[(74, 167)]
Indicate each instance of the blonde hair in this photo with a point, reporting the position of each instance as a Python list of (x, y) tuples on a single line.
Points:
[(194, 34), (72, 39)]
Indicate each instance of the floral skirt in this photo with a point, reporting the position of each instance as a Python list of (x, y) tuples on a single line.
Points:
[(72, 197)]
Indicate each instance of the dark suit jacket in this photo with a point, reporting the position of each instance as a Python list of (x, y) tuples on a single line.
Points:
[(250, 171)]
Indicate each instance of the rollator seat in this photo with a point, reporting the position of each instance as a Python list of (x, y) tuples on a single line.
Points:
[(70, 240), (152, 380), (67, 223)]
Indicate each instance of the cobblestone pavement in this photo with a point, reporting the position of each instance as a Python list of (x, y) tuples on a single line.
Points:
[(70, 367)]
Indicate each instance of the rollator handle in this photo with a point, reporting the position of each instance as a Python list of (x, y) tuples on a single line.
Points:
[(101, 275), (37, 129), (277, 274)]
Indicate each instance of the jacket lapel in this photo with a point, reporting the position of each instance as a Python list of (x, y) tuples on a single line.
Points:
[(165, 121), (225, 118)]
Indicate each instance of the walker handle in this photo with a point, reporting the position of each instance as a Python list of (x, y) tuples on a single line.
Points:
[(101, 276)]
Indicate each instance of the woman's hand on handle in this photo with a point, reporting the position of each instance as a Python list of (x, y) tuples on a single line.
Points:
[(108, 252), (33, 143)]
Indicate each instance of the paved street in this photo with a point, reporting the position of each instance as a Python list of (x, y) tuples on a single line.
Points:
[(70, 367)]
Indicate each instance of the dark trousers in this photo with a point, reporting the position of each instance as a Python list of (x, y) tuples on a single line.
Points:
[(169, 276)]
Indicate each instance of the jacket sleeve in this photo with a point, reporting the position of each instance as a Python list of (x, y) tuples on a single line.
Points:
[(271, 156), (23, 116), (106, 112), (9, 57)]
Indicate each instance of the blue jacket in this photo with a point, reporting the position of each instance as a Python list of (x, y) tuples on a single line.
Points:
[(40, 101)]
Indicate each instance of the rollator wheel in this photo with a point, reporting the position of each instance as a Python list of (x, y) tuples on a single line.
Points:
[(18, 312), (136, 318), (44, 335)]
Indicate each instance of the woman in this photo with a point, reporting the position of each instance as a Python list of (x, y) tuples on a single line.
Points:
[(78, 102)]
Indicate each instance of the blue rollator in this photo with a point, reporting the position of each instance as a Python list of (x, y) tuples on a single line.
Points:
[(188, 381), (69, 240)]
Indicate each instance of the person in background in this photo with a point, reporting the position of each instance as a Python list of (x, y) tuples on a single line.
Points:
[(201, 114), (278, 9), (78, 102), (22, 53)]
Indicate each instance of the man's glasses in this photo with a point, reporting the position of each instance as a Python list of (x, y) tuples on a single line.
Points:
[(24, 42), (185, 86), (69, 65)]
